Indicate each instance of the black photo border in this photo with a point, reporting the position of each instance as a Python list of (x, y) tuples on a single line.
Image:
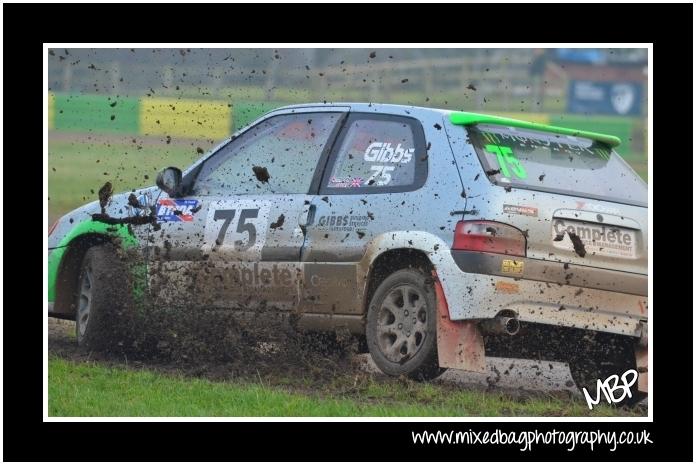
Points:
[(27, 437)]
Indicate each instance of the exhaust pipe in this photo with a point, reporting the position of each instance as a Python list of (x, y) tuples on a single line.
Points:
[(501, 325)]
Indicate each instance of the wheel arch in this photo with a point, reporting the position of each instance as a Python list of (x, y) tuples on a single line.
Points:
[(68, 272), (460, 344), (392, 251), (389, 262), (65, 260)]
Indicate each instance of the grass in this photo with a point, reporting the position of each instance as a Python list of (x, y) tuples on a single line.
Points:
[(91, 389), (78, 167)]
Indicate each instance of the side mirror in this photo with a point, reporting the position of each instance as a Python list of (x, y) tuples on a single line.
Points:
[(169, 180)]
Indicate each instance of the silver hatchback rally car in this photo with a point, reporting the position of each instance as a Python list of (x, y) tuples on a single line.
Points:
[(441, 236)]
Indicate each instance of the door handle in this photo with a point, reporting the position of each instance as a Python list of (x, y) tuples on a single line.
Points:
[(306, 218)]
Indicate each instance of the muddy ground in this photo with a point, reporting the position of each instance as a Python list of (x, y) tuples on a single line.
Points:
[(321, 371)]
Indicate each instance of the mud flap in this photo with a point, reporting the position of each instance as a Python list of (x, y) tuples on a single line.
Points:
[(641, 367), (459, 343)]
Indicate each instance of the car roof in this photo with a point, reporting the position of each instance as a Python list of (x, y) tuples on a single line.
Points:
[(370, 107), (462, 118)]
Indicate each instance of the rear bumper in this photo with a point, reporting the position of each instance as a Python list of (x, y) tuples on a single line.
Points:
[(540, 291), (552, 272), (547, 292)]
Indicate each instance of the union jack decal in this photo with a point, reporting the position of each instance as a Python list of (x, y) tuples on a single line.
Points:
[(175, 209)]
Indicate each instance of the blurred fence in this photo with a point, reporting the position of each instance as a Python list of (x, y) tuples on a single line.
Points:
[(529, 80)]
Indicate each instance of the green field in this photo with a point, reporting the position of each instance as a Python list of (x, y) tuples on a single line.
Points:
[(79, 164), (91, 389)]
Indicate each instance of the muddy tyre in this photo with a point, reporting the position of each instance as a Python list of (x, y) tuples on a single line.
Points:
[(597, 356), (401, 326), (103, 300)]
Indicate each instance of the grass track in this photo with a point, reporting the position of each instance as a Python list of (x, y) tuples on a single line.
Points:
[(91, 389)]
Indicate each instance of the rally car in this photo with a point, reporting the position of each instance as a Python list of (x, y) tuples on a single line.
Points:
[(439, 236)]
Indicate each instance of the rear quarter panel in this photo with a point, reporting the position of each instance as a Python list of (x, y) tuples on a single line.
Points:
[(533, 212)]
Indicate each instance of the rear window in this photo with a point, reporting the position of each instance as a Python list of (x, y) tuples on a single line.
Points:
[(555, 163)]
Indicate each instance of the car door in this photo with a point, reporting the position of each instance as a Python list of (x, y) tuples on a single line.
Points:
[(233, 239), (378, 162)]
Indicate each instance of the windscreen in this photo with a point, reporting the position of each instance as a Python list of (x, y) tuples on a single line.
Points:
[(556, 163)]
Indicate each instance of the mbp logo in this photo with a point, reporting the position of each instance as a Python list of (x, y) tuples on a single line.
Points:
[(609, 388), (383, 152)]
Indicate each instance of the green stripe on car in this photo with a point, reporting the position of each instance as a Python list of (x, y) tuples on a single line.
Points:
[(86, 227), (465, 119)]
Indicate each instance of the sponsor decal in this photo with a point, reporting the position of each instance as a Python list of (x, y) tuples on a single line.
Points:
[(507, 288), (512, 267), (329, 287), (346, 182), (601, 240), (175, 209), (596, 207), (383, 152), (229, 285), (520, 210), (255, 276), (327, 281), (342, 222)]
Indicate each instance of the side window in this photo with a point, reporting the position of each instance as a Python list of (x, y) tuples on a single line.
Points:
[(277, 156), (377, 153)]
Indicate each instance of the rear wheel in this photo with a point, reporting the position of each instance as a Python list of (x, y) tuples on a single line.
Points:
[(103, 299), (401, 326)]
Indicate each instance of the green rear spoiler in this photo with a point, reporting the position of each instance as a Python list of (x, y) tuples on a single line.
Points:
[(465, 119)]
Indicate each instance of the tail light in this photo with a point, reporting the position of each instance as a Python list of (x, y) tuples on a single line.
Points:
[(489, 236), (53, 227)]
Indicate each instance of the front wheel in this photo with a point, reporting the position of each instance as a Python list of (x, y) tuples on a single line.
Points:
[(102, 301), (402, 328)]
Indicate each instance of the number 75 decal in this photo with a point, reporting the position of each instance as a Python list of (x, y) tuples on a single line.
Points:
[(242, 225), (236, 227), (506, 157), (383, 171)]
